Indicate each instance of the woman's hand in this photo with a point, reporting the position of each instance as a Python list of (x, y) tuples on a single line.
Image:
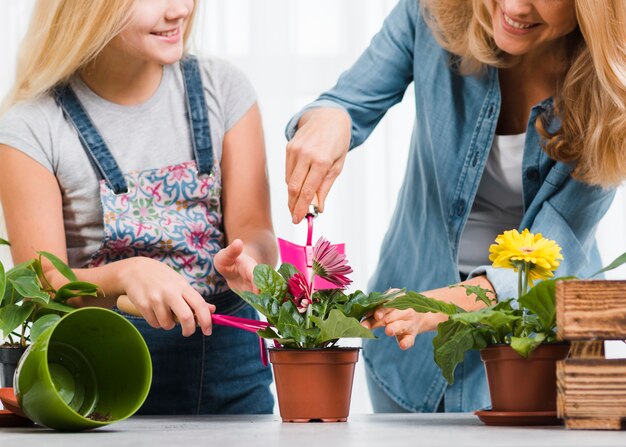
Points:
[(315, 157), (160, 293), (405, 325), (236, 267)]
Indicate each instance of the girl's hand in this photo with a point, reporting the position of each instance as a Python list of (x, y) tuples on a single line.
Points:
[(159, 293), (236, 267), (405, 325), (315, 157)]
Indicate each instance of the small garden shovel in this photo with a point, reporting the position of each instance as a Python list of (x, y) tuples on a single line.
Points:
[(301, 256)]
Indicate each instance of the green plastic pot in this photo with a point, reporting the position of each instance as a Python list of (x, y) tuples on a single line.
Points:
[(90, 369)]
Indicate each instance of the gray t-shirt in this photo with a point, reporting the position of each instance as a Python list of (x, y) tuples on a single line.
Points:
[(150, 135)]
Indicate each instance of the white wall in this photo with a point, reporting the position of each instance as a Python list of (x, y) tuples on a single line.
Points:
[(292, 50)]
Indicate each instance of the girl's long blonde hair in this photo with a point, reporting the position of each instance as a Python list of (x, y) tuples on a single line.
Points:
[(591, 100), (63, 37)]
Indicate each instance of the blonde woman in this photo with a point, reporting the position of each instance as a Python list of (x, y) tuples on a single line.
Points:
[(520, 123), (130, 159)]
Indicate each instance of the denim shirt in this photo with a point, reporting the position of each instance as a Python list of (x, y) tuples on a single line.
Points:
[(456, 118)]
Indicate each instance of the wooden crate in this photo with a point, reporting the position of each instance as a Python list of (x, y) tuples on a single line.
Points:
[(591, 388)]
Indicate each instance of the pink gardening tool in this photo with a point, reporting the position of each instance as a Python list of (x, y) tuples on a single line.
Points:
[(302, 256), (247, 325), (126, 305)]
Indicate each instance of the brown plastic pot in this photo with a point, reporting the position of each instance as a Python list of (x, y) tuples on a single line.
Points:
[(520, 384), (314, 384)]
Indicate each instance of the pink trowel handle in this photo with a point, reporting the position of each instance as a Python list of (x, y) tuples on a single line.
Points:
[(247, 325), (125, 305)]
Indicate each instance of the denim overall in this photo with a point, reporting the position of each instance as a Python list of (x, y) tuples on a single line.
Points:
[(173, 214)]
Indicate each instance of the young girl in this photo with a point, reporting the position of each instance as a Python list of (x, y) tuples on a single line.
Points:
[(137, 163), (520, 123)]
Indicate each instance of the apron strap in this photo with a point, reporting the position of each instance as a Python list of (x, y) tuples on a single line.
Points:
[(198, 114), (99, 154)]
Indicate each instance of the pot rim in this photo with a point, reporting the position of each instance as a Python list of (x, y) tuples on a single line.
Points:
[(552, 343), (333, 349)]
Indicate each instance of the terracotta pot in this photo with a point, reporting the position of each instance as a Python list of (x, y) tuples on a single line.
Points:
[(519, 384), (314, 384), (9, 358)]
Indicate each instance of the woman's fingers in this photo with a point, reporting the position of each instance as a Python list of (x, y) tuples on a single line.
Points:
[(327, 183)]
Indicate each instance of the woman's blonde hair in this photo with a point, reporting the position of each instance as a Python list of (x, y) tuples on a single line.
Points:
[(591, 99), (63, 37)]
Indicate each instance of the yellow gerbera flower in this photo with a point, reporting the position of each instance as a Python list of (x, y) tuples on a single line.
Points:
[(513, 250)]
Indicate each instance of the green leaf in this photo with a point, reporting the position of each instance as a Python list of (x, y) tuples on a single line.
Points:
[(359, 304), (41, 324), (13, 315), (290, 323), (423, 304), (452, 341), (270, 334), (541, 301), (337, 325), (613, 265), (61, 266), (57, 307), (487, 317), (524, 346), (75, 288), (4, 242), (261, 302), (269, 281), (481, 294), (28, 286), (287, 270)]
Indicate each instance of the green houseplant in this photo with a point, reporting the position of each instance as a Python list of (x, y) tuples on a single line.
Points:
[(29, 304), (516, 336), (307, 324)]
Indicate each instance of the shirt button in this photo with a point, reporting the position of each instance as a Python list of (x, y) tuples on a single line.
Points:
[(532, 175), (460, 207), (491, 110), (475, 159)]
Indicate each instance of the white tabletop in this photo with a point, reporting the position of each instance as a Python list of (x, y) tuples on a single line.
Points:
[(462, 430)]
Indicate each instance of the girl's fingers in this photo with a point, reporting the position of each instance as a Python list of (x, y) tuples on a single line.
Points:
[(164, 316), (227, 256), (184, 315), (148, 314), (200, 310)]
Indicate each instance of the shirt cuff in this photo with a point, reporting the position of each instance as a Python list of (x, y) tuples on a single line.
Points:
[(504, 281), (292, 125)]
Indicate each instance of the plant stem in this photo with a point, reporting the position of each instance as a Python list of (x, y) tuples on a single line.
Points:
[(309, 311), (23, 335), (526, 276), (520, 277)]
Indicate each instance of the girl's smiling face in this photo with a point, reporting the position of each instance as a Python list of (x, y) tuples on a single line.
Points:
[(524, 26), (155, 30)]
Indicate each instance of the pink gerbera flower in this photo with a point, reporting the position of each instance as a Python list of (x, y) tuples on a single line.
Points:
[(300, 290), (329, 264)]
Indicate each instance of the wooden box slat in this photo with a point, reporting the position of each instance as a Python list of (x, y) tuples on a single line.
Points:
[(592, 393), (591, 309)]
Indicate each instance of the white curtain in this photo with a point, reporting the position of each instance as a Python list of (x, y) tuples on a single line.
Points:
[(292, 50)]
